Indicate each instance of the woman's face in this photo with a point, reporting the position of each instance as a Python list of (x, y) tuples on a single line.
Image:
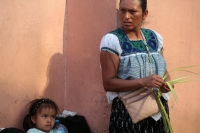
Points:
[(131, 15)]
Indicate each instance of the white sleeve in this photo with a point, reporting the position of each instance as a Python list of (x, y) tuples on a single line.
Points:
[(160, 45), (160, 40), (31, 131), (111, 43)]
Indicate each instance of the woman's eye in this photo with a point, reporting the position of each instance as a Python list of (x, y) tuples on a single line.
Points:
[(122, 10), (132, 11)]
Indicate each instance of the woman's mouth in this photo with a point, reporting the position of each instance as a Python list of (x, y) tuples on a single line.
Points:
[(127, 23)]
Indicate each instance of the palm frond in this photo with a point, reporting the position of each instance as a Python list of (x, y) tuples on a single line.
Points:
[(182, 68), (165, 118), (173, 92)]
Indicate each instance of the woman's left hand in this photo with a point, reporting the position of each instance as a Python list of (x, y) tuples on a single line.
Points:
[(164, 88)]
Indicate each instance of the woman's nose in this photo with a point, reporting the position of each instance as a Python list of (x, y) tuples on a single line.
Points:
[(127, 15)]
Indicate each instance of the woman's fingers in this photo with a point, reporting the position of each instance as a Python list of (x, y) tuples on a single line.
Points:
[(164, 88), (154, 81), (157, 82)]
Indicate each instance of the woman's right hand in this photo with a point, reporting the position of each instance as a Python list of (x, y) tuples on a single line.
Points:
[(153, 81)]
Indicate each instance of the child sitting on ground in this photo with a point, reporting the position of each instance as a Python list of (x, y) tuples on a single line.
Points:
[(41, 116)]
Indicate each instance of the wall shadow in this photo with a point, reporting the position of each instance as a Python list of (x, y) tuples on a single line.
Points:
[(56, 73), (55, 85)]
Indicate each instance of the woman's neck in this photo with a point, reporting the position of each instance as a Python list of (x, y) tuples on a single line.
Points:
[(134, 34)]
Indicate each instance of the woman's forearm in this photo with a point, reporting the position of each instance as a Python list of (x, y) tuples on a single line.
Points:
[(121, 85)]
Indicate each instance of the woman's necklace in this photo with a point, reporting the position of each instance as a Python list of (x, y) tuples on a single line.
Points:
[(148, 52)]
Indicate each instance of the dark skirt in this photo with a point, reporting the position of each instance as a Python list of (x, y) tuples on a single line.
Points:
[(120, 121)]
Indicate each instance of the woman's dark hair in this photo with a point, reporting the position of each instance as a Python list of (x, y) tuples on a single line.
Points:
[(36, 106), (143, 4)]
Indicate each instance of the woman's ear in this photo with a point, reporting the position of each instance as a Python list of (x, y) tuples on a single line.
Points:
[(33, 119), (145, 14)]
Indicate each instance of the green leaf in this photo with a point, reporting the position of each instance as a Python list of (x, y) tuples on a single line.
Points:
[(181, 81), (173, 92), (165, 77), (188, 72), (165, 119), (182, 68), (165, 116), (166, 122), (178, 79)]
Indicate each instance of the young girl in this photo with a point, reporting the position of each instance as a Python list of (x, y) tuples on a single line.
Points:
[(41, 116)]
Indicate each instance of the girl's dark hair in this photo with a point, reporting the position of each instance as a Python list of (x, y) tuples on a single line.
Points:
[(35, 106), (143, 4)]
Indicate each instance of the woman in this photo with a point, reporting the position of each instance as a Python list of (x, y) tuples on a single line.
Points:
[(126, 66)]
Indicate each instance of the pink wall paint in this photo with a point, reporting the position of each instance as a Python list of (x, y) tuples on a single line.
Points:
[(31, 56), (87, 22), (176, 21), (52, 50)]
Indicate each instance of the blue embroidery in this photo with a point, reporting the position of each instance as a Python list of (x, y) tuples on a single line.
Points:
[(137, 46)]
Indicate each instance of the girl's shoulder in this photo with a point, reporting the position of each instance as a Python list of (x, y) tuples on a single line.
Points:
[(34, 130)]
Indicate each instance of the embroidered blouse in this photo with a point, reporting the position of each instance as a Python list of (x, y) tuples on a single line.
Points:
[(134, 61)]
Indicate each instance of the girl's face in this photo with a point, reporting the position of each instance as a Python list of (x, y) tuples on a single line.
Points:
[(45, 119), (131, 15)]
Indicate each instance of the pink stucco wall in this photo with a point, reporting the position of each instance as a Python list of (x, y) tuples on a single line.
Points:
[(51, 49), (31, 56), (87, 22), (176, 21)]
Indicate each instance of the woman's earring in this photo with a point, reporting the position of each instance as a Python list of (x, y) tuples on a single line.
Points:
[(142, 21)]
